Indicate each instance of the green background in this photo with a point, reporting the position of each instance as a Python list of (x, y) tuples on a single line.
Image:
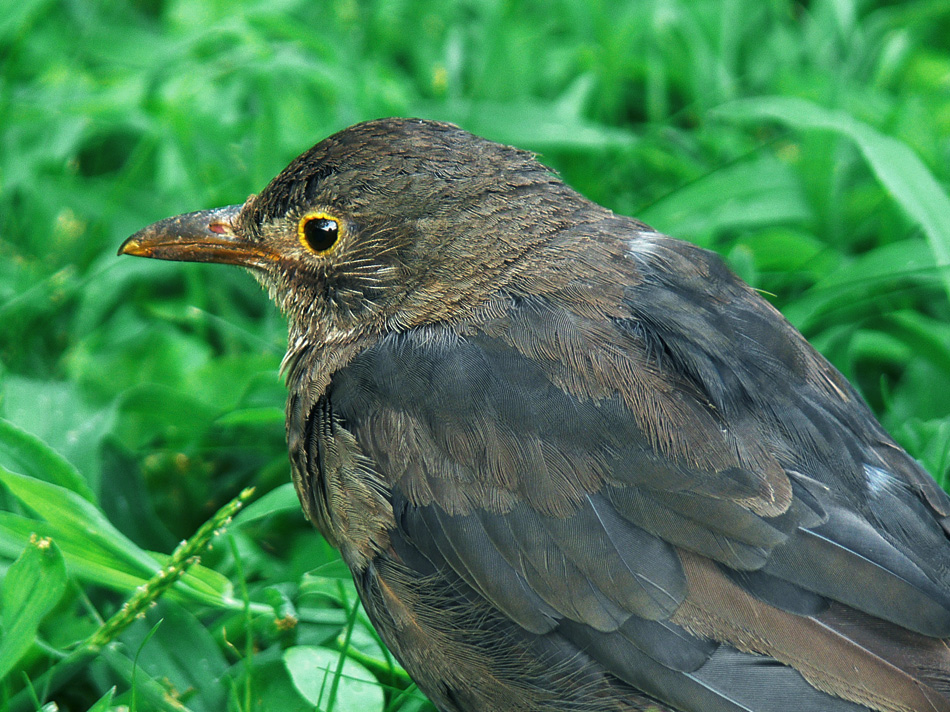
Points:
[(807, 142)]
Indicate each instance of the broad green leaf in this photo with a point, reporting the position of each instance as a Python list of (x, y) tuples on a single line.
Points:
[(92, 562), (91, 543), (760, 192), (279, 500), (931, 439), (84, 558), (785, 250), (274, 690), (859, 281), (59, 414), (33, 457), (182, 652), (203, 584), (74, 514), (894, 163), (928, 338), (148, 692), (31, 588), (312, 669)]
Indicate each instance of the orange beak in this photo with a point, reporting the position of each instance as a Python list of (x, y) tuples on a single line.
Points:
[(204, 236)]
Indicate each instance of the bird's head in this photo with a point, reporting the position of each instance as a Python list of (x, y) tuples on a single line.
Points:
[(383, 226)]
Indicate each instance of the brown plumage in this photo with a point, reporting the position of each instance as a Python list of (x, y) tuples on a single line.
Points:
[(574, 464)]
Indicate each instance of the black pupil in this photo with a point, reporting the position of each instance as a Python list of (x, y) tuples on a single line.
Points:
[(321, 233)]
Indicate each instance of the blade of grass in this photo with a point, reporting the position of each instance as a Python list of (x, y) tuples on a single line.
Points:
[(39, 460), (279, 500), (894, 163), (90, 540), (104, 703), (31, 588)]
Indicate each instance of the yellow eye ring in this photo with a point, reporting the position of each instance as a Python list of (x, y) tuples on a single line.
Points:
[(319, 232)]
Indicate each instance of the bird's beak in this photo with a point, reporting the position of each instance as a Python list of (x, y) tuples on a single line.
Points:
[(205, 236)]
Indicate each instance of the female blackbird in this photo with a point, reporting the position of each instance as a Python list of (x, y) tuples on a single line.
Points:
[(574, 464)]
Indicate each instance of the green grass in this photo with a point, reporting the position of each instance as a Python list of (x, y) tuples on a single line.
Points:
[(809, 143)]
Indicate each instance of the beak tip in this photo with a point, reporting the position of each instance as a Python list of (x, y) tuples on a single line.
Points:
[(127, 247), (134, 246)]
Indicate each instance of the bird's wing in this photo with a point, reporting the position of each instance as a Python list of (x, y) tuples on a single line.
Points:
[(668, 496), (884, 520)]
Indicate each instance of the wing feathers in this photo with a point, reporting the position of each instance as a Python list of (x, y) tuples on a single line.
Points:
[(701, 549), (717, 608), (833, 557)]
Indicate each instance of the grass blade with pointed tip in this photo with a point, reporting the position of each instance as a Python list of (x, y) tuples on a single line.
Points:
[(93, 547), (31, 588), (36, 458), (896, 165)]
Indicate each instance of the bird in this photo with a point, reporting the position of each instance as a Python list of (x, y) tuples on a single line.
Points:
[(574, 464)]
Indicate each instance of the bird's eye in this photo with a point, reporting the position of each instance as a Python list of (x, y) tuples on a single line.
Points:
[(318, 232)]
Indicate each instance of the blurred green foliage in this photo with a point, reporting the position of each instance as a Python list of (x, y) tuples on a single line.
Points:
[(808, 142)]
